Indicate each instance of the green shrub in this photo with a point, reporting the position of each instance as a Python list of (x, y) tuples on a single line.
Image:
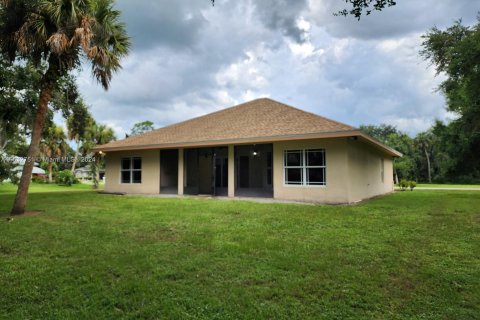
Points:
[(66, 178), (39, 179), (403, 184), (412, 184)]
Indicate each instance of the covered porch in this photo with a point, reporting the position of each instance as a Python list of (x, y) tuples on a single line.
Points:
[(233, 171)]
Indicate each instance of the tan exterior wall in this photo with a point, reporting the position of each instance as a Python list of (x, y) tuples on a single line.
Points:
[(365, 171), (353, 172), (150, 172), (336, 157)]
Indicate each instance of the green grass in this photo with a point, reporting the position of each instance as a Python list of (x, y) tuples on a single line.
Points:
[(453, 186), (43, 187), (410, 255)]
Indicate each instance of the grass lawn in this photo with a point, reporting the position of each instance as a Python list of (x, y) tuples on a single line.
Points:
[(453, 186), (91, 256), (41, 188)]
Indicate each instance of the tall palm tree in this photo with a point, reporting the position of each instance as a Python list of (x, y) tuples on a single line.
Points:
[(77, 123), (58, 34), (53, 145), (96, 134), (425, 141)]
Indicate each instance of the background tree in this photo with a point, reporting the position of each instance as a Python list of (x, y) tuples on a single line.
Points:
[(141, 127), (53, 145), (455, 53), (96, 134), (425, 141), (77, 123), (365, 7), (59, 34)]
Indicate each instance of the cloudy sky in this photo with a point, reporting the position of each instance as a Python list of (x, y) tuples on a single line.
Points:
[(189, 58)]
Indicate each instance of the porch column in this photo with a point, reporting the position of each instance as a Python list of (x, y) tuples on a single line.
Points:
[(180, 171), (231, 170)]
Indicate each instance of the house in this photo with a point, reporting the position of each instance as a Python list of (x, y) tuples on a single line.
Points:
[(85, 173), (261, 148), (19, 163)]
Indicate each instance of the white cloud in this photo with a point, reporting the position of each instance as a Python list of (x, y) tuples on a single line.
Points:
[(190, 58)]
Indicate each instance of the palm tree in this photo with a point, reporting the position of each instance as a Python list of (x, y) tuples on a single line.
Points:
[(425, 141), (96, 134), (76, 127), (53, 145), (58, 34)]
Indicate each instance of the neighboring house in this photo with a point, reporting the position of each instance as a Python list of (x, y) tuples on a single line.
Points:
[(83, 172), (261, 148), (86, 172), (20, 162)]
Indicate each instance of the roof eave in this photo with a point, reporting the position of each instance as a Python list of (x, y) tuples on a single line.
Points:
[(250, 140)]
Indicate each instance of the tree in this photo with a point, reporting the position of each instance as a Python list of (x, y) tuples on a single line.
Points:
[(77, 122), (359, 7), (59, 34), (18, 94), (380, 132), (425, 142), (455, 52), (141, 127), (53, 145), (96, 134)]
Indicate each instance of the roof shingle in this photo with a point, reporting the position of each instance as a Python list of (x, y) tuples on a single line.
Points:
[(261, 118)]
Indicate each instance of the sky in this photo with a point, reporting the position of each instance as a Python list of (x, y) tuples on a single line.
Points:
[(189, 58)]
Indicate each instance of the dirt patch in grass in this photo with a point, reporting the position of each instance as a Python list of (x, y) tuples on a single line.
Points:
[(26, 214)]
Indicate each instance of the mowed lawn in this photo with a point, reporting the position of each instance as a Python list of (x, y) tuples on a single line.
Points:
[(92, 256)]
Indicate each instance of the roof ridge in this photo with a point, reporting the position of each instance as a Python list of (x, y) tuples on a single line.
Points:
[(188, 120)]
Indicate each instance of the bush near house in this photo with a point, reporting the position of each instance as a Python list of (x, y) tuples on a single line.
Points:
[(66, 178)]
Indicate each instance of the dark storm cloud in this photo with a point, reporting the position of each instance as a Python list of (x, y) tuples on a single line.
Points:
[(163, 22), (282, 15)]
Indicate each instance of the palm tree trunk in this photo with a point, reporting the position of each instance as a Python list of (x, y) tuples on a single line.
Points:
[(77, 152), (48, 83), (50, 169), (96, 179), (428, 167)]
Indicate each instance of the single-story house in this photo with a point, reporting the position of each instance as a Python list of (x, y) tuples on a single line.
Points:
[(83, 172), (19, 163), (261, 148)]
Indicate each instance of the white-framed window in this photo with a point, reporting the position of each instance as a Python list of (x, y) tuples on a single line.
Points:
[(131, 170), (304, 167)]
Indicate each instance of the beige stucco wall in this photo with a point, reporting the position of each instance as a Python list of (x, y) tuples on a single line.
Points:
[(150, 172), (353, 172), (336, 157), (365, 173)]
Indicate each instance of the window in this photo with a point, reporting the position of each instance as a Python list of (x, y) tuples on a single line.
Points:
[(305, 167), (131, 170)]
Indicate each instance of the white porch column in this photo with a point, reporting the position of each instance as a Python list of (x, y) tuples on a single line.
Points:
[(180, 171), (231, 170)]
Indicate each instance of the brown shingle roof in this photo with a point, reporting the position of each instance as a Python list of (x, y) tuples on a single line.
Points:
[(260, 120)]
